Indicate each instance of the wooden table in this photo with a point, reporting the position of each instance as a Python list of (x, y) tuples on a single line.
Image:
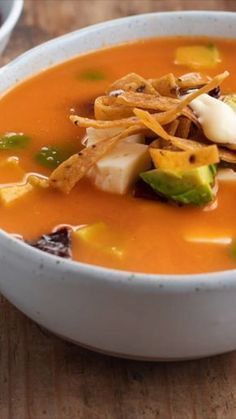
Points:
[(44, 377)]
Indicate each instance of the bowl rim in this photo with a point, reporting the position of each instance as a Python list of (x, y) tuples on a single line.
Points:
[(208, 281), (108, 24), (13, 16)]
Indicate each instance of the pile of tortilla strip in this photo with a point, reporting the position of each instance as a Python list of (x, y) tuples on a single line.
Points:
[(158, 108)]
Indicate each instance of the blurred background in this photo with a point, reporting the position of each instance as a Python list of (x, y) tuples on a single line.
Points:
[(45, 19)]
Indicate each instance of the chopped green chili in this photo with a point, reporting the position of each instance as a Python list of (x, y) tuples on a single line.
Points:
[(93, 75), (211, 46), (9, 141), (232, 249), (51, 157)]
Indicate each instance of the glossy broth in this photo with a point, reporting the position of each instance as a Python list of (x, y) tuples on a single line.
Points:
[(154, 235)]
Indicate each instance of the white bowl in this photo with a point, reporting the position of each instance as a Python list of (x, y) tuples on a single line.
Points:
[(131, 315), (10, 11)]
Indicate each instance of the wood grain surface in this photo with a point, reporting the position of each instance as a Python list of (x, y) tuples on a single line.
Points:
[(43, 377)]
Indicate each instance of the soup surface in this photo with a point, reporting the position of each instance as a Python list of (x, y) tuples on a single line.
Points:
[(154, 237)]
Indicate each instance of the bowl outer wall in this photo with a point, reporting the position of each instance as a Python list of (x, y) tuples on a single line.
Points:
[(150, 316), (10, 12)]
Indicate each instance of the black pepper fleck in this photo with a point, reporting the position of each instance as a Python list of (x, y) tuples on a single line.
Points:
[(192, 158)]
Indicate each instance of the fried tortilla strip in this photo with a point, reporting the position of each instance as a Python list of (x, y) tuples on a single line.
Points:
[(80, 121), (180, 108), (172, 127), (186, 144), (151, 122), (155, 126), (227, 155), (165, 85), (183, 128), (192, 81), (179, 143), (184, 160), (163, 144), (38, 181), (163, 117), (65, 176), (189, 114), (176, 111), (132, 82), (106, 108), (215, 82), (147, 101)]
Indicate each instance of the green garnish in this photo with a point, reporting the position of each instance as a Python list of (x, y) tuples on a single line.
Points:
[(232, 249), (190, 187), (93, 75), (211, 46), (9, 141), (51, 157), (213, 168)]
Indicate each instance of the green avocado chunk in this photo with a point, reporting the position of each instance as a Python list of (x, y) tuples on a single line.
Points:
[(191, 187), (10, 141)]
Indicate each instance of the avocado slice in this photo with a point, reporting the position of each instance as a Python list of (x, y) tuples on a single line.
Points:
[(200, 195), (191, 187)]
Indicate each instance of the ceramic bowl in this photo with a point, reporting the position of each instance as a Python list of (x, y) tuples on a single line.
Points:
[(152, 317), (10, 11)]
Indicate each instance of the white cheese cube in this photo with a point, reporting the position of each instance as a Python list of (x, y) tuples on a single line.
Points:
[(119, 169), (135, 139), (98, 134)]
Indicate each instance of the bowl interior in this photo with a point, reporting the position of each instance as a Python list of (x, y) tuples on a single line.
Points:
[(115, 32), (110, 33)]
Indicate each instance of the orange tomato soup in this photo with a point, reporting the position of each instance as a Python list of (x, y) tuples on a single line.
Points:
[(155, 235)]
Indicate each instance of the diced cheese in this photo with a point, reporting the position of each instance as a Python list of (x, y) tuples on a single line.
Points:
[(10, 194), (98, 134), (135, 139), (95, 135), (119, 169)]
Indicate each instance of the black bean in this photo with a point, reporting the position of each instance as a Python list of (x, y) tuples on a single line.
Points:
[(57, 243)]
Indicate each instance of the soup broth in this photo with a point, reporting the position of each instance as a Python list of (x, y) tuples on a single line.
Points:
[(149, 236)]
